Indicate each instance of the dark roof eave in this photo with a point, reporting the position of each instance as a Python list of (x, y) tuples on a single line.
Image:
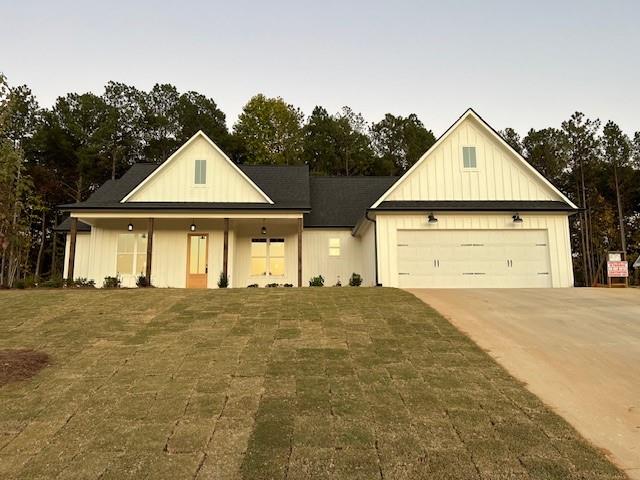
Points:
[(102, 208), (468, 209), (475, 206), (337, 227)]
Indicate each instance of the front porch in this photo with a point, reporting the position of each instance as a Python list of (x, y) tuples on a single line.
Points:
[(190, 250)]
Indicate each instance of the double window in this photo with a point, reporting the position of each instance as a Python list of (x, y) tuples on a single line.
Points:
[(132, 254), (200, 177), (469, 157), (267, 256)]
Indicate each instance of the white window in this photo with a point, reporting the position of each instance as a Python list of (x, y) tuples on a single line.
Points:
[(469, 157), (131, 257), (334, 247), (200, 172), (267, 256)]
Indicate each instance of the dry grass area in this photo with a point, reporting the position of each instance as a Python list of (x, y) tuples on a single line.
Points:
[(275, 383)]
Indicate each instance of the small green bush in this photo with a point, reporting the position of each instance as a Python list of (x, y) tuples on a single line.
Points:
[(317, 281), (53, 282), (82, 282), (111, 282), (288, 285), (272, 285), (252, 285), (142, 282), (355, 280), (20, 284), (223, 281)]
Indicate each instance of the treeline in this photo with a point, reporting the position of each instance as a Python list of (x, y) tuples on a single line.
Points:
[(50, 156)]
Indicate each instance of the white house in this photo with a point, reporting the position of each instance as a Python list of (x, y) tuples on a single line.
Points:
[(470, 213)]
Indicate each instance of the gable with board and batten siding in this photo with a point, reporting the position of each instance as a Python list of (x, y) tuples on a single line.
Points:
[(198, 172), (500, 172)]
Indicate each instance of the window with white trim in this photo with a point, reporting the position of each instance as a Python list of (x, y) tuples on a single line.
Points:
[(131, 257), (469, 157), (334, 247), (267, 257), (200, 177)]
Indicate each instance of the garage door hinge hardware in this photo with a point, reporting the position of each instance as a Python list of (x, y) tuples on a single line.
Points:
[(403, 244), (543, 273), (403, 273), (472, 244), (541, 244)]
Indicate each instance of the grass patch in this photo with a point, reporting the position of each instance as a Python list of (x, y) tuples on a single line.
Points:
[(275, 383)]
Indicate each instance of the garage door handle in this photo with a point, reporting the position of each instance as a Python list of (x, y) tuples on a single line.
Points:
[(438, 263)]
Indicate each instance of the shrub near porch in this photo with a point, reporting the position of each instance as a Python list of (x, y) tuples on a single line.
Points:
[(267, 383)]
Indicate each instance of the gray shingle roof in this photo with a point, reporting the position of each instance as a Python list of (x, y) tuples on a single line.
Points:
[(65, 226), (342, 201), (116, 190), (287, 186)]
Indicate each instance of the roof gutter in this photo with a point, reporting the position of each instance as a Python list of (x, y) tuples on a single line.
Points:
[(375, 244)]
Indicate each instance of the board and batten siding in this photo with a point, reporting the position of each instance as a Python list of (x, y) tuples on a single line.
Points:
[(168, 267), (96, 253), (81, 263), (243, 233), (175, 181), (556, 225), (368, 248), (498, 176), (355, 256)]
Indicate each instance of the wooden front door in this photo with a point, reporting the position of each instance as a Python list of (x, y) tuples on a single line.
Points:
[(197, 268)]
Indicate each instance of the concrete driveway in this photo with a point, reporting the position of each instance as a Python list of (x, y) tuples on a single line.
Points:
[(577, 349)]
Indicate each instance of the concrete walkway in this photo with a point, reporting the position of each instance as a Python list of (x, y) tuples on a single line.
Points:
[(577, 349)]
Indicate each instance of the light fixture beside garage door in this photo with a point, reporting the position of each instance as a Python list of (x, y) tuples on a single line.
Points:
[(431, 219), (517, 218)]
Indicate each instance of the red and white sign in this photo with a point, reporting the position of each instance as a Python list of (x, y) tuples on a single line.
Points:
[(617, 269)]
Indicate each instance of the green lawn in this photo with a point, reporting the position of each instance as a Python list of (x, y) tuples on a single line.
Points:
[(272, 383)]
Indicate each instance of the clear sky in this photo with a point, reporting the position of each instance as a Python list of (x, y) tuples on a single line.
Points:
[(518, 63)]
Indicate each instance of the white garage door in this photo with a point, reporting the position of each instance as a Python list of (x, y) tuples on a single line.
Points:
[(473, 259)]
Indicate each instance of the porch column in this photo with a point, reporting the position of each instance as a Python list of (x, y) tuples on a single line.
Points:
[(299, 252), (149, 250), (225, 249), (73, 233)]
